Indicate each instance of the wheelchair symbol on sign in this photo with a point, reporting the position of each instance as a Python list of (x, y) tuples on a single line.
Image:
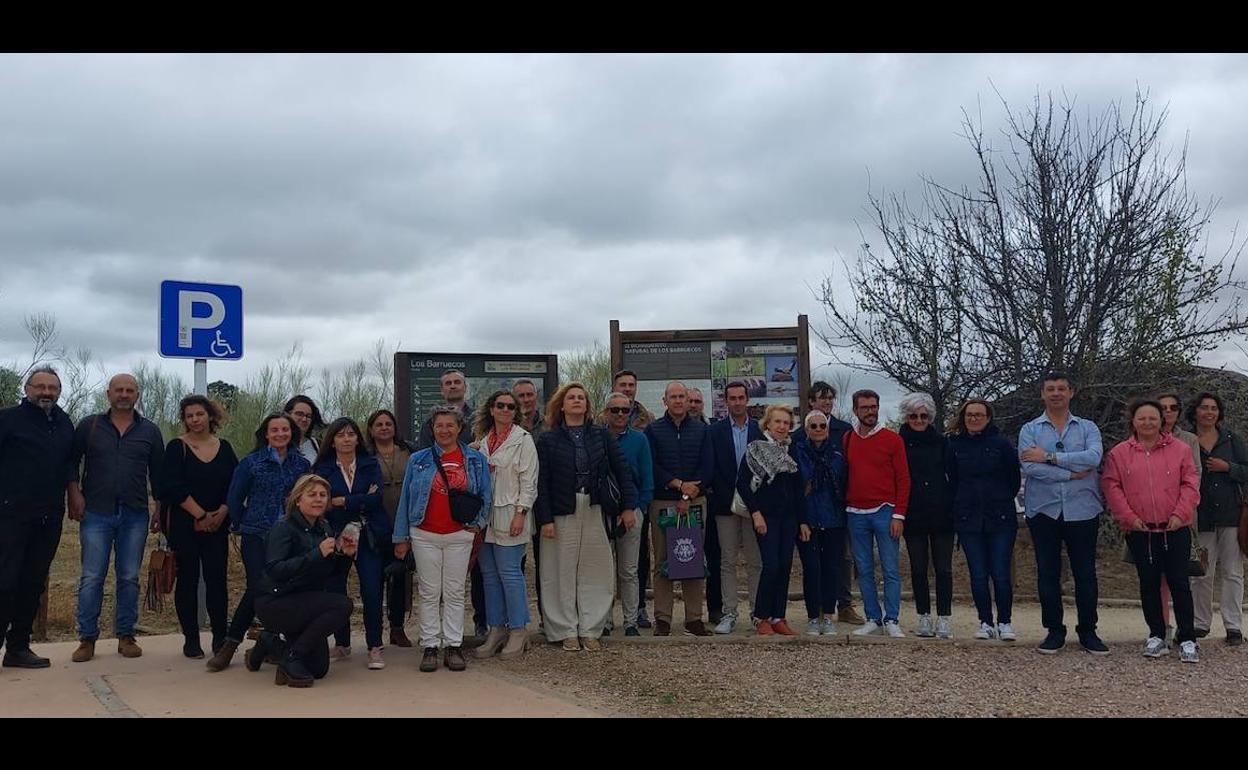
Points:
[(221, 348)]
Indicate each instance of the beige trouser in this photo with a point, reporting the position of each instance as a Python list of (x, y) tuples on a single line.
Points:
[(737, 533), (694, 591), (578, 575), (1224, 553), (441, 571)]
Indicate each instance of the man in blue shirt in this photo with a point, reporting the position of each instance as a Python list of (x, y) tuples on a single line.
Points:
[(736, 533), (636, 450), (1060, 454)]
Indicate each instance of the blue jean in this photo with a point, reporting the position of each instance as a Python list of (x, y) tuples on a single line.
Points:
[(123, 533), (988, 554), (506, 599), (863, 528), (776, 550), (253, 551), (822, 558), (368, 568)]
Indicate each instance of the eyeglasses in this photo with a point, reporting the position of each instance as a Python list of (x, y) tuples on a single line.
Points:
[(506, 405), (976, 416), (619, 410), (919, 417), (818, 426), (307, 415)]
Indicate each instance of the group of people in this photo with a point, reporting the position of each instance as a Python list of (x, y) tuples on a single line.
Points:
[(605, 498)]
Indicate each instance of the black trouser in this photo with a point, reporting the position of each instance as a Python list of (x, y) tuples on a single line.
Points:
[(211, 551), (1047, 535), (643, 562), (1164, 553), (253, 549), (27, 545), (537, 567), (306, 619), (822, 559), (396, 594), (478, 596), (845, 579), (714, 592), (936, 548)]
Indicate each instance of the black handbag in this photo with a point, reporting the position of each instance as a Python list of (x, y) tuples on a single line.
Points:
[(465, 505)]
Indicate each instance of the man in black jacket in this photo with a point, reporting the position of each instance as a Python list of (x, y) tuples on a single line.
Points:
[(36, 447), (682, 472)]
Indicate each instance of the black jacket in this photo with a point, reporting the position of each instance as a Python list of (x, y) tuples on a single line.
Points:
[(36, 460), (679, 453), (1220, 492), (556, 471), (929, 510), (724, 452), (984, 475), (784, 496), (293, 560)]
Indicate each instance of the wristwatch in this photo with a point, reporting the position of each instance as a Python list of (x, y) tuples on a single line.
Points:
[(1050, 457)]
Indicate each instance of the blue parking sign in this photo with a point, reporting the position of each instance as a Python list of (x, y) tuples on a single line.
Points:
[(201, 320)]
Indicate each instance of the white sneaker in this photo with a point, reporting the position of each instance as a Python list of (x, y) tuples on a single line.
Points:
[(1189, 652), (944, 627), (870, 628), (986, 631), (894, 629), (726, 624), (1006, 632), (829, 627), (1155, 647), (375, 662), (925, 628), (813, 627)]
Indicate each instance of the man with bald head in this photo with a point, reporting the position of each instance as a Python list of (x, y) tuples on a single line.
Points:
[(681, 450), (120, 452), (36, 447)]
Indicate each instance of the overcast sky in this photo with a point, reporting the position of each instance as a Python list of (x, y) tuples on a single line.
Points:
[(503, 203)]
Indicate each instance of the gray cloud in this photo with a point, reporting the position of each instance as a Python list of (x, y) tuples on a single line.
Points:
[(503, 202)]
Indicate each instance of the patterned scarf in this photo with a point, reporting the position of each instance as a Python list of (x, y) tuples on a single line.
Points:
[(768, 459)]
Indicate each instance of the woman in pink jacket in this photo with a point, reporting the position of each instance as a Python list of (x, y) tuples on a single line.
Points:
[(1152, 489)]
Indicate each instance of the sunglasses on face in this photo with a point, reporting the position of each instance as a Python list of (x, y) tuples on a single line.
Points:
[(919, 417), (818, 426), (619, 410), (505, 405)]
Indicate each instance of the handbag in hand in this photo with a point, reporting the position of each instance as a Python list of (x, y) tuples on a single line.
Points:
[(162, 572)]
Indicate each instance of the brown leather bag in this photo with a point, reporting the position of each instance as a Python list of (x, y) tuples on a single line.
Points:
[(162, 573)]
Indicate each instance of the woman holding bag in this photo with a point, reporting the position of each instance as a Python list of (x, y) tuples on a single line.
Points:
[(512, 458), (578, 570), (195, 480)]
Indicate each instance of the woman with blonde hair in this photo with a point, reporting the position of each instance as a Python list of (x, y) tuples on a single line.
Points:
[(580, 469), (771, 486), (298, 613)]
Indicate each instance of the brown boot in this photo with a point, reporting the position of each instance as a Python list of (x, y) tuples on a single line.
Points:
[(851, 616), (223, 657), (517, 642), (398, 637), (85, 651), (494, 642), (128, 647), (453, 658)]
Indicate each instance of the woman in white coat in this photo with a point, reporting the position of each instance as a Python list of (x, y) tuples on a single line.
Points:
[(512, 458)]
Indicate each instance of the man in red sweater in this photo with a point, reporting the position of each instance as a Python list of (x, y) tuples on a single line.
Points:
[(876, 501)]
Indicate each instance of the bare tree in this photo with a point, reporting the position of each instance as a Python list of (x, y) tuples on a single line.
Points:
[(589, 365), (1080, 248)]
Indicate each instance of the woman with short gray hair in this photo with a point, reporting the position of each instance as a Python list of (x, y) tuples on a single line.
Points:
[(929, 520)]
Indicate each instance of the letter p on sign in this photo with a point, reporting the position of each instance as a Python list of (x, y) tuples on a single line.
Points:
[(188, 321)]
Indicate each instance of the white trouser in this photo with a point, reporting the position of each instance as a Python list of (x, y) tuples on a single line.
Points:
[(441, 571), (578, 575), (1224, 558)]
